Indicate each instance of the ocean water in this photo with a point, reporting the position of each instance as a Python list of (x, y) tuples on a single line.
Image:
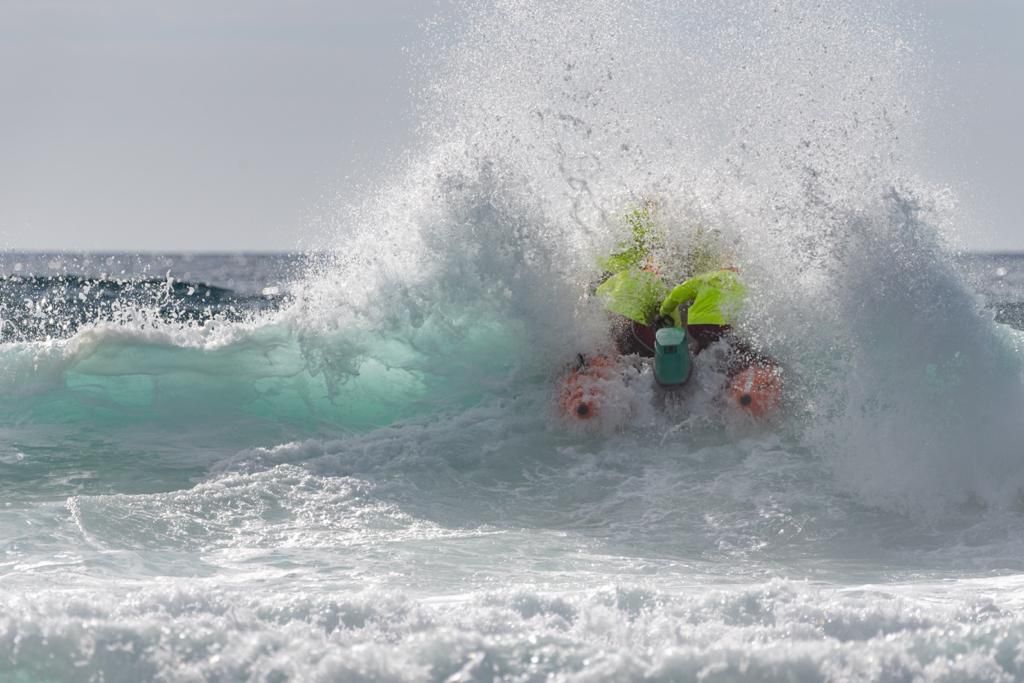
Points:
[(348, 464)]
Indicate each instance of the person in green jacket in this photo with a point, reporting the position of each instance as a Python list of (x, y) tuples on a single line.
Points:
[(631, 288), (715, 299)]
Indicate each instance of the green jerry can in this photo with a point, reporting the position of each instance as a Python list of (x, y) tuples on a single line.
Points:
[(671, 358)]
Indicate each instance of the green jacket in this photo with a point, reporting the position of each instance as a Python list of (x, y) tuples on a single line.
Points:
[(717, 298), (633, 293)]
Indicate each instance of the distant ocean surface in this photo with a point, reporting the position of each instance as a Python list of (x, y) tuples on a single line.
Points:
[(49, 295), (349, 464)]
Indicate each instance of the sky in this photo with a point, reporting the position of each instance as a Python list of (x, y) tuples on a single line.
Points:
[(228, 126), (976, 124)]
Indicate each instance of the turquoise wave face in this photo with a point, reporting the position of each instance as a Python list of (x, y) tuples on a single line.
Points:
[(132, 408), (265, 374)]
